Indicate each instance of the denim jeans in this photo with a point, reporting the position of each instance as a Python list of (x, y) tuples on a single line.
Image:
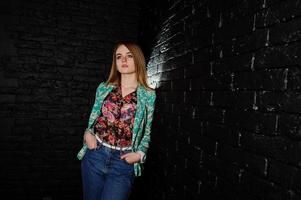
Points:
[(105, 176)]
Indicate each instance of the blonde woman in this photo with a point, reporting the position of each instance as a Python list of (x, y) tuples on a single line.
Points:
[(119, 128)]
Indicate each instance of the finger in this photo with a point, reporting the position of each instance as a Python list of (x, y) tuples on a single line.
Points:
[(123, 156), (92, 146)]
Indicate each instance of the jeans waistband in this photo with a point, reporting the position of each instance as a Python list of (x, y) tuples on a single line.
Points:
[(111, 146)]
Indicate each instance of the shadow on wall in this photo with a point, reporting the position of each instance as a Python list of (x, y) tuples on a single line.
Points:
[(151, 25), (152, 15)]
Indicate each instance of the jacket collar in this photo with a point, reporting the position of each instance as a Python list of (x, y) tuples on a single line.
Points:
[(139, 87)]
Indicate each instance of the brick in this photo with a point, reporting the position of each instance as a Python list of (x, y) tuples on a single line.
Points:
[(231, 154), (234, 99), (180, 84), (185, 111), (207, 145), (263, 123), (210, 114), (182, 60), (283, 11), (197, 70), (278, 101), (232, 19), (173, 97), (293, 153), (228, 171), (278, 56), (274, 79), (164, 85), (251, 42), (220, 133), (202, 55), (192, 97), (191, 124), (219, 81), (177, 74), (289, 125), (241, 62), (203, 32), (255, 164), (261, 188), (277, 148), (293, 79), (285, 32), (260, 18), (225, 190), (281, 174)]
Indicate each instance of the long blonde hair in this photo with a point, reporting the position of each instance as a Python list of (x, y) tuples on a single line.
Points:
[(140, 65)]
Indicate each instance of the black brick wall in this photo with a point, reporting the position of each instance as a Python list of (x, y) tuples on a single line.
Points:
[(227, 123)]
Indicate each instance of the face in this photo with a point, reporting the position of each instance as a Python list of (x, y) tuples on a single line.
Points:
[(125, 60)]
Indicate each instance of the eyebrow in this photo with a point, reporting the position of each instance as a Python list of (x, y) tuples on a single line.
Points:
[(126, 53)]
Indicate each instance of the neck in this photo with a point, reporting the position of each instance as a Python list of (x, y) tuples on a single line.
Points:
[(129, 80)]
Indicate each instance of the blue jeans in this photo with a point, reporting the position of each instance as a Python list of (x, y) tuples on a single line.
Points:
[(105, 176)]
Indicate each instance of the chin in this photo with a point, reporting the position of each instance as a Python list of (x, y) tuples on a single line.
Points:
[(126, 71)]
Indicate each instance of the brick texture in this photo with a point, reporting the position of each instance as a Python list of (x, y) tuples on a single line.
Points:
[(228, 111)]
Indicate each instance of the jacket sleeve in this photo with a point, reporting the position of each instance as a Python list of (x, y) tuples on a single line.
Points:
[(94, 111), (83, 150), (144, 144)]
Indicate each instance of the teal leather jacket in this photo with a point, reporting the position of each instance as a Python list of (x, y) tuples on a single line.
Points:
[(141, 132)]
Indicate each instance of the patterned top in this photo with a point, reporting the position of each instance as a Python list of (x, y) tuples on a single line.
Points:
[(115, 122)]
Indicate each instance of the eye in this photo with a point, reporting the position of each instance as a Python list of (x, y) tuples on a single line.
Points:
[(130, 56), (118, 57)]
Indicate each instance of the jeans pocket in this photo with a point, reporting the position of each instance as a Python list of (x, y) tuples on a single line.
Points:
[(126, 162), (98, 147)]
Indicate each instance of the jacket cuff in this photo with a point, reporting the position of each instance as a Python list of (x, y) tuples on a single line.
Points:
[(90, 130), (142, 156)]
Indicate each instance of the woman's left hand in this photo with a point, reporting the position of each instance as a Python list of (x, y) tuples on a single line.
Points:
[(131, 157)]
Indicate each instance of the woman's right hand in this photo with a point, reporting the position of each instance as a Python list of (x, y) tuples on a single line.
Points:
[(90, 140)]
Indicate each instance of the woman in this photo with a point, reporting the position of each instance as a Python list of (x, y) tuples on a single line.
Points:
[(118, 133)]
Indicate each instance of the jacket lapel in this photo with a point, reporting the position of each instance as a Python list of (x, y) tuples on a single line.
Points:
[(102, 96), (140, 107)]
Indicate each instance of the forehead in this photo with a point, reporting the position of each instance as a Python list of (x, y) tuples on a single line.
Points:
[(122, 49)]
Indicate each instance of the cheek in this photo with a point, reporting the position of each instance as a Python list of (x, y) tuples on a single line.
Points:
[(118, 63), (132, 63)]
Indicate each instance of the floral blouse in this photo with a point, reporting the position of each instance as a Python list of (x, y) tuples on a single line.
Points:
[(114, 124)]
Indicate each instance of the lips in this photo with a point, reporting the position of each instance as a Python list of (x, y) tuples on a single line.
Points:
[(124, 65)]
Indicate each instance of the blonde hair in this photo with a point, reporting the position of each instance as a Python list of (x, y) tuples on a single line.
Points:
[(140, 65)]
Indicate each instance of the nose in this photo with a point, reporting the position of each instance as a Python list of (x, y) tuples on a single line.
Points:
[(123, 58)]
